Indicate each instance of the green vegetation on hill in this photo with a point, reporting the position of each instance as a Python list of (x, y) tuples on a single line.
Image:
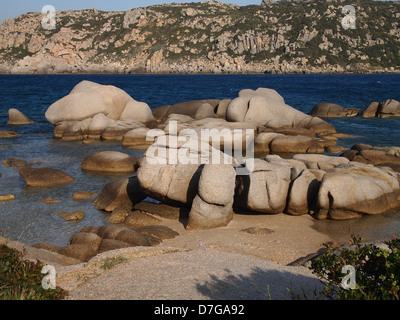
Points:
[(301, 33)]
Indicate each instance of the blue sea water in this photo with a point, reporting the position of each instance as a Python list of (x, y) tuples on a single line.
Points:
[(31, 221)]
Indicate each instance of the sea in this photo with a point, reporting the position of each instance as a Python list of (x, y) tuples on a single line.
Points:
[(31, 221)]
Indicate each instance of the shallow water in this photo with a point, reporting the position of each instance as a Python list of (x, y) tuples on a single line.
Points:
[(31, 221)]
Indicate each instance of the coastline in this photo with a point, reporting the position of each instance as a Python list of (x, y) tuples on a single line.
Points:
[(224, 263), (372, 72), (223, 251), (288, 241)]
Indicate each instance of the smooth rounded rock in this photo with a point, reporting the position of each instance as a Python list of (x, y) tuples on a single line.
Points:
[(110, 161), (45, 177)]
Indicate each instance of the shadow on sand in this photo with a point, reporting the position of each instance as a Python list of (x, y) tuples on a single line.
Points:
[(262, 285)]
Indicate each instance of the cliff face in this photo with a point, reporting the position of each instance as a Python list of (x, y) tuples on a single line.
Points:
[(208, 37)]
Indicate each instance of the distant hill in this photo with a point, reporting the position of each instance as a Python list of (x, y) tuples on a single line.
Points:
[(208, 37)]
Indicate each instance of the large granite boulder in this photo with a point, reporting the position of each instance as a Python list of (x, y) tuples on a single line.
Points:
[(354, 189), (389, 108), (302, 193), (88, 99), (267, 108), (170, 183), (212, 206), (264, 190)]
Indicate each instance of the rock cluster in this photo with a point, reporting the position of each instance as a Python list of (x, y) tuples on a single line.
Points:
[(91, 241), (276, 126), (192, 169), (325, 186), (378, 156), (386, 109)]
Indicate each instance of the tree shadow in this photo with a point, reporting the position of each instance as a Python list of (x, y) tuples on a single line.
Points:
[(261, 284)]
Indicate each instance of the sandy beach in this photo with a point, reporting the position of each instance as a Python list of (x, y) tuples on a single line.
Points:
[(205, 264)]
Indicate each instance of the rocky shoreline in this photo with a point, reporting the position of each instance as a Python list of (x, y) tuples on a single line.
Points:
[(279, 37), (190, 173)]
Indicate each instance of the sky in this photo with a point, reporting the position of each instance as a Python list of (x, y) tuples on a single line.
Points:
[(13, 8)]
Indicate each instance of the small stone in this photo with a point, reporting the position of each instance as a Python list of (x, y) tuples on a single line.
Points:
[(50, 201), (8, 197), (82, 195), (77, 215), (8, 134), (15, 163)]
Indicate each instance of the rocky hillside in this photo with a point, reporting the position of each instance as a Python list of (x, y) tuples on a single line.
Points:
[(209, 37)]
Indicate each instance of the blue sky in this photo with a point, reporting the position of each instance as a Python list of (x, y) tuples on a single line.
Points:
[(13, 8)]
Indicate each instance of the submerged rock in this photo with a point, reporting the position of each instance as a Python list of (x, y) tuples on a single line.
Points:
[(82, 195), (8, 197), (76, 215), (45, 177), (8, 134)]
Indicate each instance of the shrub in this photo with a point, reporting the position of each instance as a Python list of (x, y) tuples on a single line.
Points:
[(377, 270), (22, 280)]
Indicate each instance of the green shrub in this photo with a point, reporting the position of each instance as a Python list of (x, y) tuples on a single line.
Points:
[(22, 280), (377, 270)]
